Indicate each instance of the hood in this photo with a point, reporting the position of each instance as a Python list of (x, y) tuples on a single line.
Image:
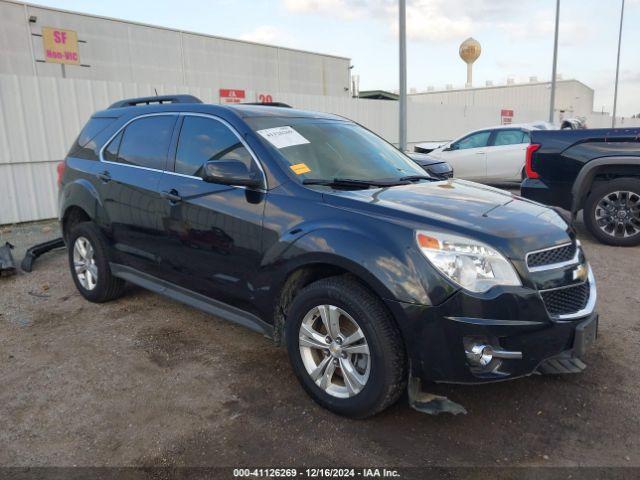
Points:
[(505, 221)]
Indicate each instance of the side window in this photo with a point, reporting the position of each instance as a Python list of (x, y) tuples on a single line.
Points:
[(111, 152), (145, 142), (475, 140), (203, 140), (510, 137)]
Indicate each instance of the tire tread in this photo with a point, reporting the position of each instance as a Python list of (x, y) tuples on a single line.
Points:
[(109, 287)]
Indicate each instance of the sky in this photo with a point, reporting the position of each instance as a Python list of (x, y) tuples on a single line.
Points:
[(516, 36)]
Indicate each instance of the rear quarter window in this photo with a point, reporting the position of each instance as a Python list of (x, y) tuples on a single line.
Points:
[(93, 127), (85, 145)]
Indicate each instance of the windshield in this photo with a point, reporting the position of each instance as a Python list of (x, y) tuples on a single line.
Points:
[(333, 149)]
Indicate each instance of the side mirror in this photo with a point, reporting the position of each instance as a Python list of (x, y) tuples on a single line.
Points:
[(453, 146), (230, 172)]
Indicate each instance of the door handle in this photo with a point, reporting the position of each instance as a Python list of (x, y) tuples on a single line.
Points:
[(172, 195), (104, 176)]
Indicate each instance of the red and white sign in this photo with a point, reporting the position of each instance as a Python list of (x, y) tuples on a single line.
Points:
[(228, 95), (265, 98), (506, 116)]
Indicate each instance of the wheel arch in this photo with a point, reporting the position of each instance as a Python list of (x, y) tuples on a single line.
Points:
[(310, 269), (624, 166), (72, 216), (80, 202)]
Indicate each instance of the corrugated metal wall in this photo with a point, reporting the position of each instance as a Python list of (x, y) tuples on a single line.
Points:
[(40, 118), (121, 51), (572, 96)]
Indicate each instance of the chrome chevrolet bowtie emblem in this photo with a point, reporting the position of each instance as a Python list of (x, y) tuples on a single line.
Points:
[(580, 273)]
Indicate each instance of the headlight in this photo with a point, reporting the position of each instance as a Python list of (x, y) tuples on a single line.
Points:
[(469, 263)]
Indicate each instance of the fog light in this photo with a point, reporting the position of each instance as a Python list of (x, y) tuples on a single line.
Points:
[(479, 355)]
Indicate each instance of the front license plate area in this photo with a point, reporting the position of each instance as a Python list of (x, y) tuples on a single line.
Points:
[(585, 337)]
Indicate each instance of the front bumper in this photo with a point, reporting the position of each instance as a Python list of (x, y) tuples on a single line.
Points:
[(513, 321)]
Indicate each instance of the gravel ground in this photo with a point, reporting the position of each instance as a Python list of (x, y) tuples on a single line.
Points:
[(147, 381)]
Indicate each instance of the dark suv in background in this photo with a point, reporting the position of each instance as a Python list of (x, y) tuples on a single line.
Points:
[(315, 232)]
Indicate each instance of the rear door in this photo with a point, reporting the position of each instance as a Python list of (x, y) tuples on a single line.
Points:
[(506, 154), (132, 165), (215, 230), (467, 156)]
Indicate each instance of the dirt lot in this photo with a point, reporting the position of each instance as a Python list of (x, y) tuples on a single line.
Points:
[(147, 381)]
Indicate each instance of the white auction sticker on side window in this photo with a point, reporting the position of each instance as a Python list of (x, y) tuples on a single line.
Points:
[(281, 137)]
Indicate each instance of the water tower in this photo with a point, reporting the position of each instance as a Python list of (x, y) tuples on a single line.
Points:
[(469, 52)]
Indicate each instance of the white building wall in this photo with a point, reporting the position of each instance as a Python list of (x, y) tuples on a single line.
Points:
[(116, 50), (572, 96)]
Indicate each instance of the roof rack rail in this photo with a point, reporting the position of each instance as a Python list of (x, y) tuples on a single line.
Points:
[(269, 104), (132, 102)]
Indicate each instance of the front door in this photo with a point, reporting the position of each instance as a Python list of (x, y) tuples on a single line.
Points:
[(215, 231), (129, 179)]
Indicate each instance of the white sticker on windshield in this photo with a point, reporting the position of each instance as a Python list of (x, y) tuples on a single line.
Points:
[(281, 137)]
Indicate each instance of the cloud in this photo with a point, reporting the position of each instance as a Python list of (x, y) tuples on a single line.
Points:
[(430, 20), (444, 20), (542, 25), (265, 34), (342, 9)]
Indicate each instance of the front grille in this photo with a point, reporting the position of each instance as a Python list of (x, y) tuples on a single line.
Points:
[(567, 300), (551, 256)]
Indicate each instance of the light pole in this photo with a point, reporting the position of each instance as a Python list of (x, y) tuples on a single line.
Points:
[(615, 90), (403, 75), (555, 64)]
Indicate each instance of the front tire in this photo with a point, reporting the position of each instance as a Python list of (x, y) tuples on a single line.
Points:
[(89, 264), (345, 348), (612, 212)]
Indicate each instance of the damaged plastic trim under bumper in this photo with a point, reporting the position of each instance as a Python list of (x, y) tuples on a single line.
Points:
[(37, 250), (430, 403), (7, 264)]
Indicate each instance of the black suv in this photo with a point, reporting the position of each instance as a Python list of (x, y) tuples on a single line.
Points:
[(315, 232)]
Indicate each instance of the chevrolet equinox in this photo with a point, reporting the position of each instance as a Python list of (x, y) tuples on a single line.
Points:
[(315, 232)]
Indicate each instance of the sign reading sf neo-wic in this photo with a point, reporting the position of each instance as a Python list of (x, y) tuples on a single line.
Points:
[(60, 46)]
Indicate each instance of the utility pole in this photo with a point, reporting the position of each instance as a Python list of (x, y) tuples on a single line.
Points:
[(615, 91), (403, 75), (555, 64)]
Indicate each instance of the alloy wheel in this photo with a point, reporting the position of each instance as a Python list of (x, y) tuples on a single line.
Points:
[(617, 214), (334, 351), (84, 263)]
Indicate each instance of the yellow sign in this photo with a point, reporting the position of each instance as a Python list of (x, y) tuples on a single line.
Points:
[(300, 168), (60, 46)]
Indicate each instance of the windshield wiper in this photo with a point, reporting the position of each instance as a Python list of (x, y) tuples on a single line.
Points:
[(350, 182)]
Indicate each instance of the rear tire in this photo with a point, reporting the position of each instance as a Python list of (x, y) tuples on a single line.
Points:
[(89, 264), (612, 212), (380, 374)]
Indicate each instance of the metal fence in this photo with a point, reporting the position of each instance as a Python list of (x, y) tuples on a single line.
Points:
[(40, 118)]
